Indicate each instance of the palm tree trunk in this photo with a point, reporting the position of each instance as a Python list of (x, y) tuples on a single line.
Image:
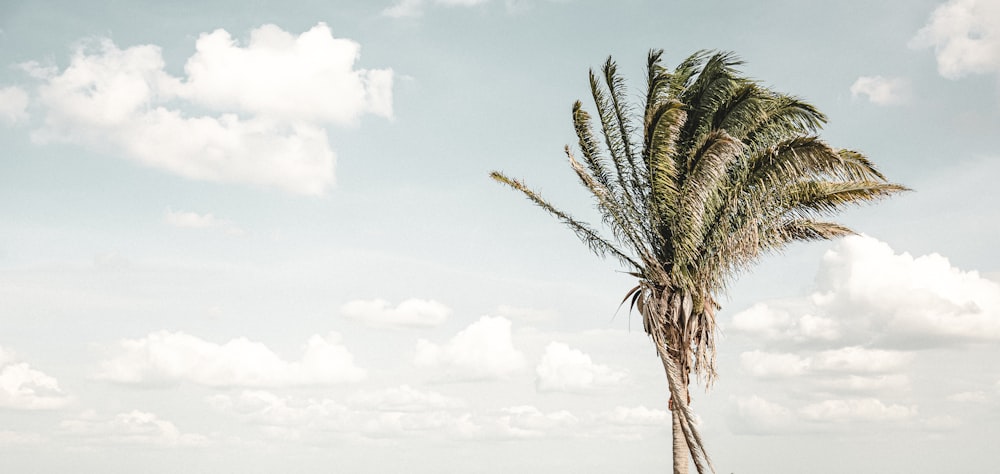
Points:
[(680, 444), (680, 415)]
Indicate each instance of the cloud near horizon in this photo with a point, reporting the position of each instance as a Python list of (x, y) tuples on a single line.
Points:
[(253, 114), (168, 358), (25, 388)]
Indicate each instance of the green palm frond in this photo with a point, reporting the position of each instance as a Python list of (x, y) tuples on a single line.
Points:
[(597, 244)]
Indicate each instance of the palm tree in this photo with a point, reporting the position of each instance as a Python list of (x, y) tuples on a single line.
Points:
[(712, 172)]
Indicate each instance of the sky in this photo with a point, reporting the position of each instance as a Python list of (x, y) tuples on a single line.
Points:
[(261, 237)]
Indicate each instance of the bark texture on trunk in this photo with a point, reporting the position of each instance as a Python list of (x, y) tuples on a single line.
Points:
[(680, 444)]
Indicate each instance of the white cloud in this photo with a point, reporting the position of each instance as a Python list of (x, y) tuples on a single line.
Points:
[(484, 350), (856, 359), (407, 314), (773, 322), (13, 438), (638, 416), (766, 364), (193, 220), (414, 8), (977, 396), (755, 415), (165, 358), (890, 383), (24, 388), (262, 407), (965, 35), (873, 296), (857, 410), (13, 104), (563, 369), (309, 77), (267, 104), (530, 315), (404, 398), (882, 90), (406, 412), (134, 427)]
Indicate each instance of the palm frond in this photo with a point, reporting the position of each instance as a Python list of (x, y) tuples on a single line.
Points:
[(597, 244)]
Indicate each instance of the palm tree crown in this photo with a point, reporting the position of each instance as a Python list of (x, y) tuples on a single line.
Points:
[(713, 171)]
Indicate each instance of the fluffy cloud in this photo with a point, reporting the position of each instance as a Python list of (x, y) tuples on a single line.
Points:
[(134, 427), (965, 35), (569, 370), (882, 90), (193, 220), (776, 323), (165, 358), (484, 350), (24, 388), (407, 314), (13, 104), (867, 294), (267, 104)]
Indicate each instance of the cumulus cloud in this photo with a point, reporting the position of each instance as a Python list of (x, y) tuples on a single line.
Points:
[(882, 90), (564, 369), (166, 358), (194, 220), (965, 35), (777, 323), (134, 427), (484, 350), (411, 313), (13, 104), (263, 106), (869, 295), (24, 388)]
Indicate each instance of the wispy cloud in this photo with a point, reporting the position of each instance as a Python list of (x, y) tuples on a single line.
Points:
[(194, 220), (411, 313)]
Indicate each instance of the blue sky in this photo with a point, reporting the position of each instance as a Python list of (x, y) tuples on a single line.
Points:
[(260, 237)]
